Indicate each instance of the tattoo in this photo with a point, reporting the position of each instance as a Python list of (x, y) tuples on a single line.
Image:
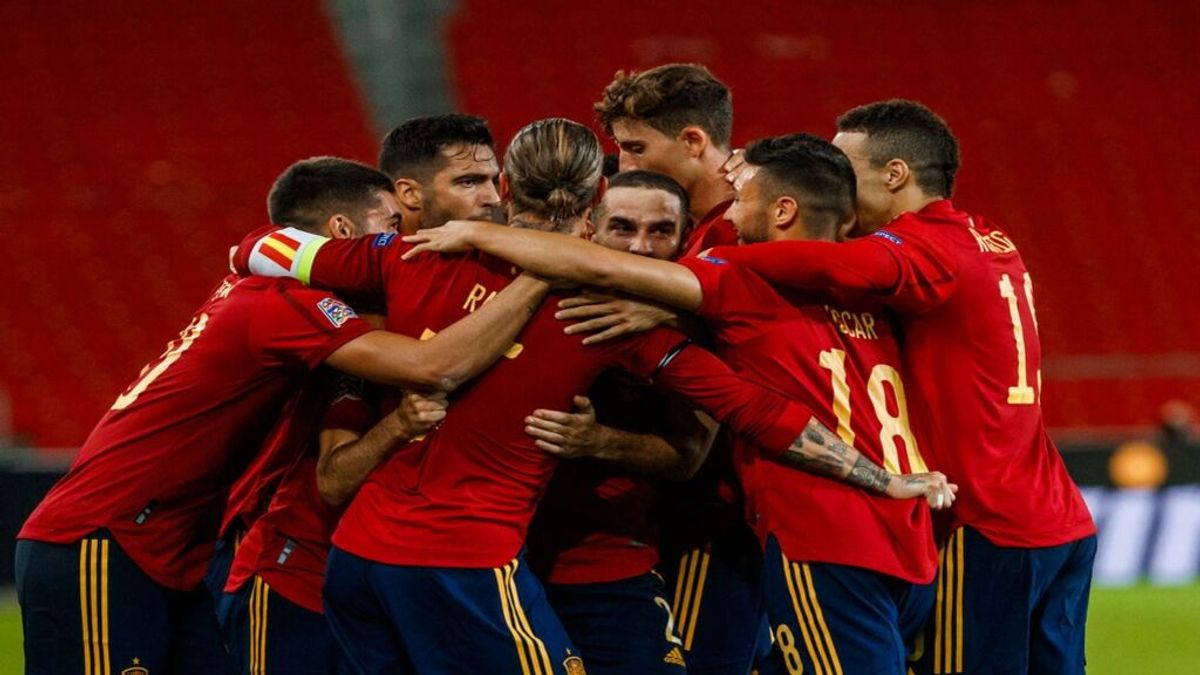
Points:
[(867, 474), (819, 451)]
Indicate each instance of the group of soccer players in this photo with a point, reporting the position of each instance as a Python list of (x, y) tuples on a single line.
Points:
[(691, 413)]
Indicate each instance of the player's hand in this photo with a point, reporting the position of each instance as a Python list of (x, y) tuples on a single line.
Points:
[(567, 435), (733, 166), (609, 316), (453, 237), (419, 413), (933, 486)]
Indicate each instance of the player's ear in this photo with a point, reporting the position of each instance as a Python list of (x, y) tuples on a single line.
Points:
[(844, 230), (339, 226), (408, 193), (784, 213), (601, 188), (898, 174), (695, 140), (503, 187)]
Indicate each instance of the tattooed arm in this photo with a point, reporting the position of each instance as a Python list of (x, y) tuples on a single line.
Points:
[(818, 450)]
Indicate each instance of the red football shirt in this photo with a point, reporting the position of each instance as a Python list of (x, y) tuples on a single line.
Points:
[(289, 544), (973, 356), (157, 468), (712, 230), (842, 361), (464, 496), (597, 522)]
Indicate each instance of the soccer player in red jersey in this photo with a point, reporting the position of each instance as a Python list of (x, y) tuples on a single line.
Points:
[(426, 568), (443, 167), (859, 565), (1013, 585), (595, 538), (109, 565), (676, 119)]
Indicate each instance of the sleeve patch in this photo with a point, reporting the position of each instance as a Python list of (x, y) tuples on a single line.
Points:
[(884, 234), (336, 311), (715, 261), (383, 239)]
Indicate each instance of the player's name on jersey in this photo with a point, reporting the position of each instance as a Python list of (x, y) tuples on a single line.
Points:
[(1146, 534), (859, 325)]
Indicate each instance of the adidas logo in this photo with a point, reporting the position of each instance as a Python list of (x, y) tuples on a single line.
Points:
[(674, 658)]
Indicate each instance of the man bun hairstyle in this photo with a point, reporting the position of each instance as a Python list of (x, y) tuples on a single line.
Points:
[(812, 171), (310, 192), (907, 130), (553, 168), (669, 98), (414, 148)]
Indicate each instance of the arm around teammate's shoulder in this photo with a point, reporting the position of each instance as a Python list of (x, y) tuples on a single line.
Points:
[(458, 353), (559, 256)]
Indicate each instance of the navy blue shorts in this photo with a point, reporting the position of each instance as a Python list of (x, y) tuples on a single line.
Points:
[(717, 605), (88, 609), (839, 620), (221, 563), (268, 634), (1007, 610), (620, 626), (432, 620)]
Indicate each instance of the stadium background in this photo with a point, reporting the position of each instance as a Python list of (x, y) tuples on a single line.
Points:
[(138, 140)]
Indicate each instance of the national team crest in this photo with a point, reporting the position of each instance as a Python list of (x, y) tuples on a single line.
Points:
[(574, 666), (136, 668), (336, 311)]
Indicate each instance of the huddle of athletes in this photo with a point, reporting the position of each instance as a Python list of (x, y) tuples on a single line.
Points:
[(462, 415)]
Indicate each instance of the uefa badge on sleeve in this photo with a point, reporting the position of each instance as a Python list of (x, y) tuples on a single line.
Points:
[(336, 311)]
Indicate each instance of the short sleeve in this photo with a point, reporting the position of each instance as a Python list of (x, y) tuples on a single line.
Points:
[(305, 325), (928, 273)]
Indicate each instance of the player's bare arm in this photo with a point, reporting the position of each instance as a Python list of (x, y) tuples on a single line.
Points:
[(458, 353), (608, 316), (347, 458), (818, 450), (674, 456), (558, 256)]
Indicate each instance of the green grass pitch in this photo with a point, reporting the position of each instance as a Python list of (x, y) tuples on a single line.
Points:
[(1142, 629)]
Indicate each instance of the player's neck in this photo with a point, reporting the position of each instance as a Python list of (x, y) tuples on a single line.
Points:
[(911, 201), (711, 189), (531, 221)]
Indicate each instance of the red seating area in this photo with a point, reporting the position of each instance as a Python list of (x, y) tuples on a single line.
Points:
[(139, 141), (1076, 121)]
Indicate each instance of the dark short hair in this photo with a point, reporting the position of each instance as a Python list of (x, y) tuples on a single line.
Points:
[(414, 148), (312, 191), (812, 171), (651, 180), (669, 98), (611, 166), (907, 130)]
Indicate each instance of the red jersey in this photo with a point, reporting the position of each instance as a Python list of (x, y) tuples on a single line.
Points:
[(841, 361), (464, 496), (157, 468), (289, 544), (250, 495), (966, 311), (712, 230), (478, 489), (597, 522)]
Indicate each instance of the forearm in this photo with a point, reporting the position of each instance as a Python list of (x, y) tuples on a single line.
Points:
[(471, 344), (645, 454), (818, 450), (559, 256), (343, 467)]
